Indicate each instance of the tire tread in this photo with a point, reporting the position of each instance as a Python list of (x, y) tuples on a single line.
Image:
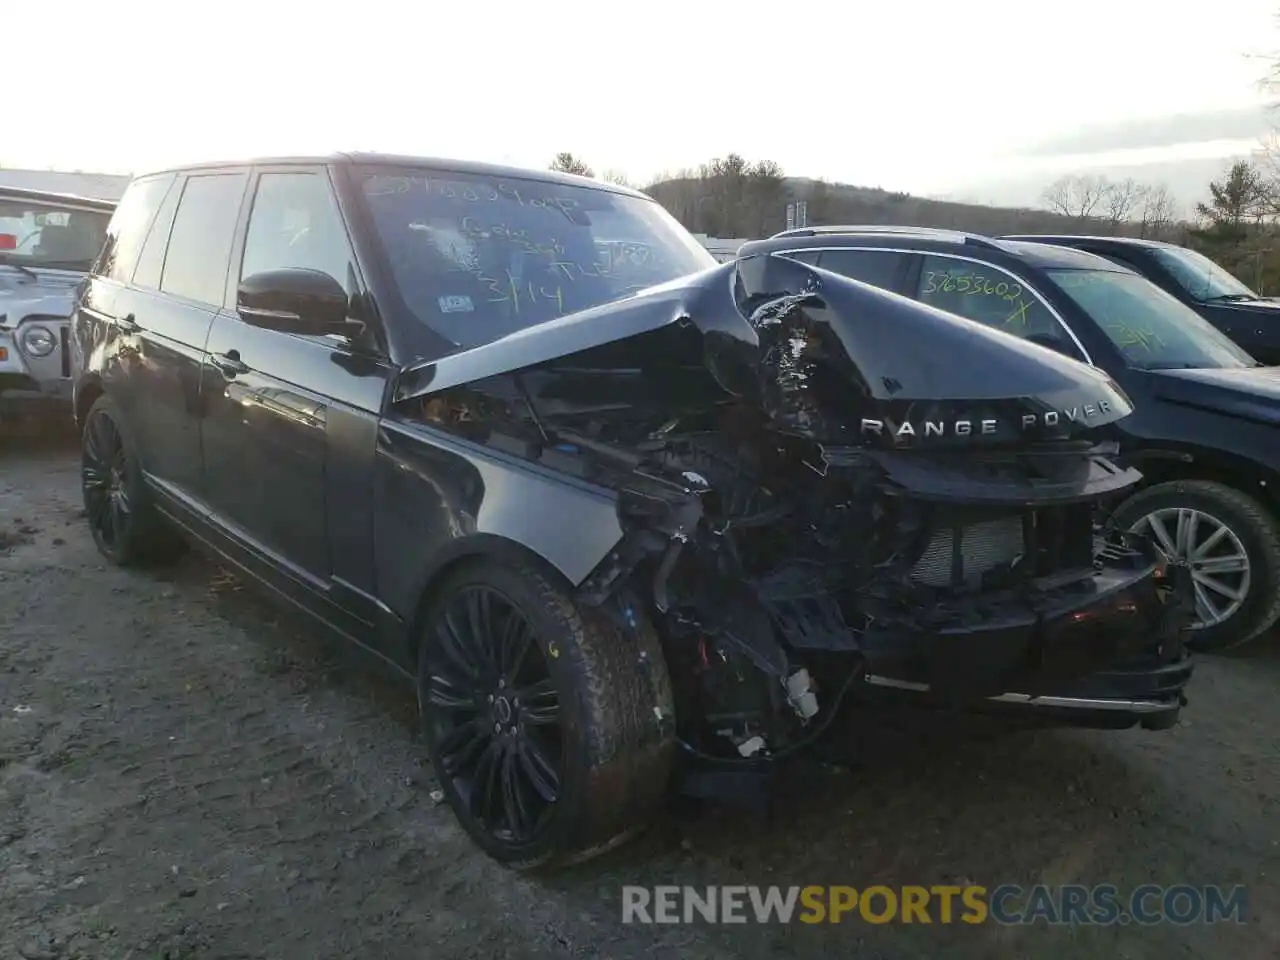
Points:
[(623, 692)]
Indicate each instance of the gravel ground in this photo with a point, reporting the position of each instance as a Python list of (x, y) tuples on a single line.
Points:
[(187, 772)]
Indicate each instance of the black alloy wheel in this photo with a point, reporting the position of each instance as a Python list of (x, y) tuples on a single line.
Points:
[(106, 480), (495, 715), (1229, 541), (125, 525), (549, 724)]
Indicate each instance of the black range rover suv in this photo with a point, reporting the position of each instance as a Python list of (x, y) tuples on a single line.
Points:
[(1205, 432), (618, 512)]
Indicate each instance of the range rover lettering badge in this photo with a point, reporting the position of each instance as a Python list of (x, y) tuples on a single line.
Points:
[(965, 428)]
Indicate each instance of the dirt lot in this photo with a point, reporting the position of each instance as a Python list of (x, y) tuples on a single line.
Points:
[(183, 773)]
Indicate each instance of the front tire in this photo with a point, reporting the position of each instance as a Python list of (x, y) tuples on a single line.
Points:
[(125, 525), (543, 719), (1230, 541)]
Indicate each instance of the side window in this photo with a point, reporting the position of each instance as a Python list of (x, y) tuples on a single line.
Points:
[(294, 222), (128, 227), (990, 296), (195, 265), (151, 260), (880, 268)]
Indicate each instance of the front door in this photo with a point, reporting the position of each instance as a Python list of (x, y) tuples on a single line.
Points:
[(276, 404)]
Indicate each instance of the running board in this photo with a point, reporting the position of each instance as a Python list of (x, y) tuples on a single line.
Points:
[(1026, 699)]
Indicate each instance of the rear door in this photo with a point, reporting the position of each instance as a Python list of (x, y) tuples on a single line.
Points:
[(177, 288), (148, 308), (99, 331)]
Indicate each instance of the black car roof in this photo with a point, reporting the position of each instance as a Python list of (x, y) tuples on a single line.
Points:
[(1048, 256), (929, 239), (403, 160), (50, 196), (1069, 239)]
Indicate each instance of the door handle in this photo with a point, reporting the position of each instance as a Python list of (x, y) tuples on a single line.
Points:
[(128, 323), (229, 363)]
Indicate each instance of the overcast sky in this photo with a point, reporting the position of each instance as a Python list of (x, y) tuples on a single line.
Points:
[(923, 96)]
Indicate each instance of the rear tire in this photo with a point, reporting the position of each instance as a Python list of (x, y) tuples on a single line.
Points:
[(1249, 530), (126, 527), (544, 720)]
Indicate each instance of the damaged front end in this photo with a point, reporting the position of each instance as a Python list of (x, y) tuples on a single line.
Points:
[(822, 489)]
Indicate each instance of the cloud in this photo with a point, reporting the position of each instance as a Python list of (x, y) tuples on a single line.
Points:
[(1244, 123)]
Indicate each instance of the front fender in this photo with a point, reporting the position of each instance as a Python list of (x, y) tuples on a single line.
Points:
[(438, 498)]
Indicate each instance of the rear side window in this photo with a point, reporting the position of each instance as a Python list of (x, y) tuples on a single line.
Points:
[(151, 260), (880, 268), (195, 265), (129, 225)]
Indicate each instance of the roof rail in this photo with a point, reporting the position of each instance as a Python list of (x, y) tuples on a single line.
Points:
[(935, 233)]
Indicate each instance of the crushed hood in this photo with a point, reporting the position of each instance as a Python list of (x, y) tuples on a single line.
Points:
[(826, 357)]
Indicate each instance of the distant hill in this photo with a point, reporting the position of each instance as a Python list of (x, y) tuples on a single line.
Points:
[(705, 207), (845, 203)]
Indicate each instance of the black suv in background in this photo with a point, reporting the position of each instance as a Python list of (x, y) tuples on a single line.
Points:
[(1206, 428), (1211, 291)]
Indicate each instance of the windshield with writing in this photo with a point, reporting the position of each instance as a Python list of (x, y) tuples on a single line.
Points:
[(1201, 277), (42, 234), (479, 257), (1151, 329)]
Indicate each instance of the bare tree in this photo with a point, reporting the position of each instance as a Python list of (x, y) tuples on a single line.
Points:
[(1157, 212), (1075, 195), (567, 163), (615, 176), (1122, 200), (1267, 164)]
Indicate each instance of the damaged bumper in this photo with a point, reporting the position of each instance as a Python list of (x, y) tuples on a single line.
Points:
[(1107, 652)]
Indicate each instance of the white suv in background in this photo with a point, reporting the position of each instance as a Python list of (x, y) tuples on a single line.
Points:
[(48, 242)]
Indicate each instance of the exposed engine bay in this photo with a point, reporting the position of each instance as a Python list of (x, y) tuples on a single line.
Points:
[(820, 484)]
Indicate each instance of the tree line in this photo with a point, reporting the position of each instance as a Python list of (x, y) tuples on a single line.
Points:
[(1116, 206), (724, 197), (732, 197), (1238, 223)]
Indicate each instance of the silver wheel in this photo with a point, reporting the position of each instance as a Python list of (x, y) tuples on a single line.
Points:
[(1219, 565)]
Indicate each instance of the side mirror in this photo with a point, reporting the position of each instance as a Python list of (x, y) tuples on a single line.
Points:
[(296, 300)]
